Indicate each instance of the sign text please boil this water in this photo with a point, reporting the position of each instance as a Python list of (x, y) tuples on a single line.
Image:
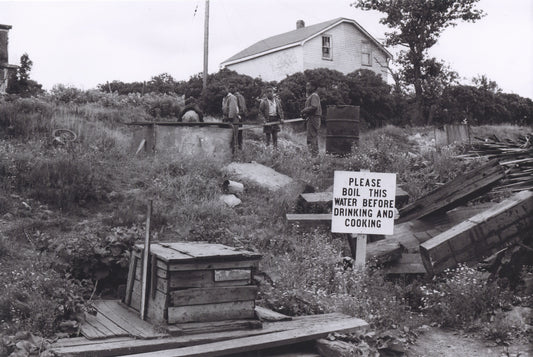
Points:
[(363, 202)]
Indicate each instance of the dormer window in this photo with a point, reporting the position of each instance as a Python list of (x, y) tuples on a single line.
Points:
[(326, 47), (366, 54)]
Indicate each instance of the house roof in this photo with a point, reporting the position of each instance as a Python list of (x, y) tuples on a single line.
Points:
[(295, 38)]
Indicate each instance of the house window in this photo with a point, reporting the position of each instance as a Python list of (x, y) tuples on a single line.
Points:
[(366, 54), (326, 47)]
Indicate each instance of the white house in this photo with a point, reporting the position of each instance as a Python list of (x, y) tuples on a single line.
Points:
[(5, 67), (340, 44)]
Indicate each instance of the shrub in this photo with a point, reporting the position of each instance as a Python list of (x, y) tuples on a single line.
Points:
[(460, 296), (37, 298), (25, 117), (65, 180)]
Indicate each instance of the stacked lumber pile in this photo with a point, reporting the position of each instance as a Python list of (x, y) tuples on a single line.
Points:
[(516, 157)]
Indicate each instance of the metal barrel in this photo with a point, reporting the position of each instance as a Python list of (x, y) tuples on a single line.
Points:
[(342, 128)]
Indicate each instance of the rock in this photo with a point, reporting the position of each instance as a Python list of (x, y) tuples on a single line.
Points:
[(230, 200), (260, 175)]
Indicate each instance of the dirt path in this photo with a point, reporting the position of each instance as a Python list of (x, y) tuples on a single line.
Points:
[(436, 342)]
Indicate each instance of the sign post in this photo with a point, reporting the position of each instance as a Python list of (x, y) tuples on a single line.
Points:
[(363, 203)]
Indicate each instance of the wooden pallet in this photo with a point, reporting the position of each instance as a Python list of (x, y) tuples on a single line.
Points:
[(272, 334)]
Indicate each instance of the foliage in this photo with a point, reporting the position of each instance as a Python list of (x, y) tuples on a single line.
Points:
[(417, 25), (211, 100), (20, 82), (362, 87), (25, 117), (38, 298), (65, 180), (163, 83), (462, 295), (89, 254), (483, 104)]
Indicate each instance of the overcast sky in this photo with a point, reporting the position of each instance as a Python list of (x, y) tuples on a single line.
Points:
[(84, 43)]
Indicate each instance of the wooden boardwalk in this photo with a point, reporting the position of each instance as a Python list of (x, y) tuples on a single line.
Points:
[(272, 334)]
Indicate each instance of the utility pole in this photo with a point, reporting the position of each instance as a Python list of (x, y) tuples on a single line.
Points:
[(206, 43)]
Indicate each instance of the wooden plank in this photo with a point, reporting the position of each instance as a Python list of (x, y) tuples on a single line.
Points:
[(122, 346), (255, 343), (508, 221), (201, 250), (191, 279), (233, 274), (166, 254), (383, 251), (146, 263), (252, 264), (454, 192), (93, 329), (309, 219), (360, 250), (197, 296), (265, 314), (233, 310), (212, 326), (131, 276), (126, 319)]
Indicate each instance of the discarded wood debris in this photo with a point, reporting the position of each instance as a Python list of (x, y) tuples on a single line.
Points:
[(454, 193), (507, 222), (515, 156)]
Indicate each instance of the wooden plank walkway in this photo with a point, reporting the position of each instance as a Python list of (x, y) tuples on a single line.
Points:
[(113, 319), (127, 345), (255, 343)]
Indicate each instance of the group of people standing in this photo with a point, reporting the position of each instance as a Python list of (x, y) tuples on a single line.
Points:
[(271, 114)]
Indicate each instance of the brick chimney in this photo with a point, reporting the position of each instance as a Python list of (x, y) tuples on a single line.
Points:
[(300, 24), (4, 29)]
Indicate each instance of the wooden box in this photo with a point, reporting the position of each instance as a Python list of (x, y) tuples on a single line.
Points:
[(194, 282)]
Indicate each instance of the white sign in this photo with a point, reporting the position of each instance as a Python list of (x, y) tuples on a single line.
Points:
[(363, 202)]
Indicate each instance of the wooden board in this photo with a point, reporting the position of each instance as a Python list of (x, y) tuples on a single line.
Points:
[(199, 296), (233, 310), (252, 264), (197, 251), (508, 221), (309, 219), (454, 193), (126, 319), (212, 326), (122, 345), (255, 343)]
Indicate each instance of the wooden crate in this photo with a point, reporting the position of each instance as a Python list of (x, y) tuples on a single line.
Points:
[(194, 282)]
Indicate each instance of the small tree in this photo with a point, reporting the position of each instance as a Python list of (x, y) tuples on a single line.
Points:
[(417, 25), (20, 82)]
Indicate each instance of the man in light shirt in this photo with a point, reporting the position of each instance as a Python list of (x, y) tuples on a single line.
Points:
[(270, 110)]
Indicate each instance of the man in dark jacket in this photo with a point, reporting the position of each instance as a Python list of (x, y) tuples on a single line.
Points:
[(230, 111), (312, 112)]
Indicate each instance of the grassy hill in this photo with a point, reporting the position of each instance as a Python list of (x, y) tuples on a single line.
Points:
[(69, 212)]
